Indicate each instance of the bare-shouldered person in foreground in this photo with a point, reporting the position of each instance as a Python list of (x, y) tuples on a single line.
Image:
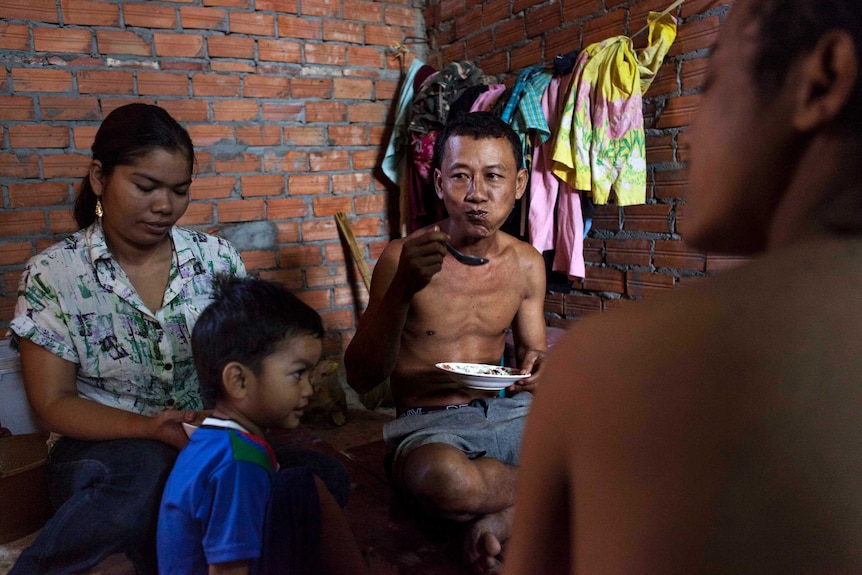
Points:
[(719, 430), (456, 449)]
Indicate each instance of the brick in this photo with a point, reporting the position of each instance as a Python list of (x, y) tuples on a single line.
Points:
[(543, 19), (511, 32), (481, 43), (324, 8), (240, 210), (266, 87), (281, 112), (12, 253), (300, 256), (319, 299), (69, 108), (451, 8), (259, 259), (36, 194), (365, 159), (366, 227), (311, 88), (38, 136), (18, 165), (291, 161), (210, 135), (554, 303), (693, 36), (693, 74), (65, 165), (67, 40), (291, 278), (41, 80), (579, 305), (348, 135), (89, 13), (406, 17), (351, 183), (286, 208), (607, 217), (337, 319), (215, 85), (370, 204), (258, 135), (185, 110), (578, 9), (325, 112), (640, 284), (385, 90), (22, 223), (315, 230), (352, 89), (14, 36), (194, 17), (163, 84), (665, 82), (230, 47), (671, 184), (638, 15), (360, 56), (122, 42), (343, 31), (230, 3), (594, 251), (62, 222), (232, 67), (678, 112), (362, 11), (233, 163), (647, 218), (149, 15), (301, 28), (308, 184), (329, 206), (213, 187), (468, 23), (603, 27), (304, 136), (251, 186), (285, 6), (325, 276), (253, 23), (693, 7), (235, 110), (105, 82), (325, 54), (563, 41), (676, 255), (628, 252), (197, 214), (179, 45), (604, 279), (329, 161), (382, 35), (280, 51), (659, 149), (525, 56), (34, 10), (17, 108)]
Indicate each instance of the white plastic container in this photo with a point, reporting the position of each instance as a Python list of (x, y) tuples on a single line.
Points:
[(15, 412)]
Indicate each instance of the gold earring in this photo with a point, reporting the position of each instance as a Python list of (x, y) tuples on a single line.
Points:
[(99, 211)]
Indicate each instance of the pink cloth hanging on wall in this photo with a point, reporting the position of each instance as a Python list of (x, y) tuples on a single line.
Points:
[(567, 236)]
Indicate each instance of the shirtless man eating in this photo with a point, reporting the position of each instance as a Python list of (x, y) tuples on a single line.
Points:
[(455, 450)]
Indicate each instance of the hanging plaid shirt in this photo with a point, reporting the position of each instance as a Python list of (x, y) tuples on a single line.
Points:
[(75, 301)]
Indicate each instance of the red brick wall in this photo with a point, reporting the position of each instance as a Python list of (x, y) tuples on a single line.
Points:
[(634, 251), (286, 101)]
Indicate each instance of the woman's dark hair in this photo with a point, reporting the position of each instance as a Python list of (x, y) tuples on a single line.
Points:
[(246, 320), (126, 134), (478, 125), (790, 27)]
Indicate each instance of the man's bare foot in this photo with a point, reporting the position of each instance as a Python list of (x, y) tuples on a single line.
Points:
[(485, 539)]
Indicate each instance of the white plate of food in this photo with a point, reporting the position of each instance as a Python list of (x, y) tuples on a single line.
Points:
[(482, 375)]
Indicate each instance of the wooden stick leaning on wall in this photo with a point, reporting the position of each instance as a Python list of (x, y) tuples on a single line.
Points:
[(382, 394)]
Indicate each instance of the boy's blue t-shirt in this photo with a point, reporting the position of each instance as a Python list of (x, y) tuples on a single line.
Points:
[(215, 500)]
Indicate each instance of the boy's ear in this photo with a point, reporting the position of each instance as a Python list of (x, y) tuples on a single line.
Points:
[(233, 378), (828, 76)]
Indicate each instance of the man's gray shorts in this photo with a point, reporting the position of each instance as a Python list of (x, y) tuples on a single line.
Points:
[(489, 427)]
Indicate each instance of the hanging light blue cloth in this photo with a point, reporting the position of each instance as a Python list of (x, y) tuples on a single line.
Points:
[(523, 111), (396, 149)]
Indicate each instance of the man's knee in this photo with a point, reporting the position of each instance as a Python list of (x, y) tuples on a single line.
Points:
[(440, 478)]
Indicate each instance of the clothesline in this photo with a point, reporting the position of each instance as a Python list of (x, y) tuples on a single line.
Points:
[(662, 14)]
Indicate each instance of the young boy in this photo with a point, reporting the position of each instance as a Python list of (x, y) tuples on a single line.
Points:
[(226, 507)]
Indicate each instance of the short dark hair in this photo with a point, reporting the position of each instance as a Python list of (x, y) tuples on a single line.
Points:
[(790, 27), (247, 319), (478, 125), (126, 134)]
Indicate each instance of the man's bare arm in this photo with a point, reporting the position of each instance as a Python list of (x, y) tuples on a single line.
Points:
[(405, 267), (529, 324)]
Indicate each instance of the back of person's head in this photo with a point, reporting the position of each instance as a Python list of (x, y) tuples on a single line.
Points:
[(789, 28), (247, 319), (126, 134), (479, 126)]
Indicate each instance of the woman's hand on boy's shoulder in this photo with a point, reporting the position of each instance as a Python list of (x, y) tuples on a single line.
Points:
[(168, 427)]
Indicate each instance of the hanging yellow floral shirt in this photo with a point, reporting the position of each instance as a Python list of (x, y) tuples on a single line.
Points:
[(600, 143)]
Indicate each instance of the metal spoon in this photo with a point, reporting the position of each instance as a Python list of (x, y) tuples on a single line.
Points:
[(464, 258)]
